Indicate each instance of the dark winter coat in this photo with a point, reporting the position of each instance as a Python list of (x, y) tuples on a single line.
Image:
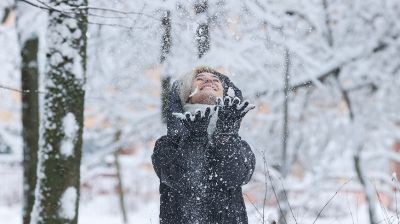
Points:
[(201, 179)]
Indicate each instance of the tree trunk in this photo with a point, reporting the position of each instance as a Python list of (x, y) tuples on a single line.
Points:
[(165, 87), (120, 186), (57, 190), (30, 121), (29, 47), (121, 192), (166, 78), (335, 72), (283, 169), (202, 32), (166, 38), (369, 194)]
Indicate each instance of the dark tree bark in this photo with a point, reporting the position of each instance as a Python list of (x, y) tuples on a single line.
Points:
[(202, 32), (30, 121), (165, 88), (120, 185), (29, 48), (57, 190), (7, 14), (166, 37), (358, 167), (165, 49), (369, 194), (121, 192)]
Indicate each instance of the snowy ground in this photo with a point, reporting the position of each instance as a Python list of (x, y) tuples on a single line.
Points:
[(100, 205), (91, 214), (98, 211)]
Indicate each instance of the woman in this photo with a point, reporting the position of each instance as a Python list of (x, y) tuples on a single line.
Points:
[(202, 162)]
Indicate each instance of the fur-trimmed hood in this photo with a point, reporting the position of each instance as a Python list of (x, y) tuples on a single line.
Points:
[(175, 127)]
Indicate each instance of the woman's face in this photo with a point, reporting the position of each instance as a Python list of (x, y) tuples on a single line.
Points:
[(206, 88)]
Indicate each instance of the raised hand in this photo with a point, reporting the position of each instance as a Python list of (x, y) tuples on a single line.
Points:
[(196, 123), (230, 113)]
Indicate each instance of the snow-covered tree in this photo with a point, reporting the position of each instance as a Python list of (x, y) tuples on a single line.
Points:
[(59, 159), (340, 95)]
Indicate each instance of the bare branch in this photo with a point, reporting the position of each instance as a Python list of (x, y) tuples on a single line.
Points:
[(303, 17), (18, 90), (117, 11), (33, 4), (330, 199), (273, 189), (345, 94), (255, 207), (8, 15), (76, 15), (82, 8), (366, 187), (372, 86)]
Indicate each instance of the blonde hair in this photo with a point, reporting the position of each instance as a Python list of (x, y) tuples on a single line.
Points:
[(186, 81)]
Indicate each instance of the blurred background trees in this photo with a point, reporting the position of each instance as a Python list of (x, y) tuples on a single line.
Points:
[(323, 74)]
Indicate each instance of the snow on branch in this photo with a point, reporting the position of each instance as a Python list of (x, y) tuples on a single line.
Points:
[(328, 71)]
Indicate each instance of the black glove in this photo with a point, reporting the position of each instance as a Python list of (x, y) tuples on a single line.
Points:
[(230, 114), (197, 123)]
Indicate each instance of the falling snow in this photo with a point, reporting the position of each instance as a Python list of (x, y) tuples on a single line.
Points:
[(248, 40)]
